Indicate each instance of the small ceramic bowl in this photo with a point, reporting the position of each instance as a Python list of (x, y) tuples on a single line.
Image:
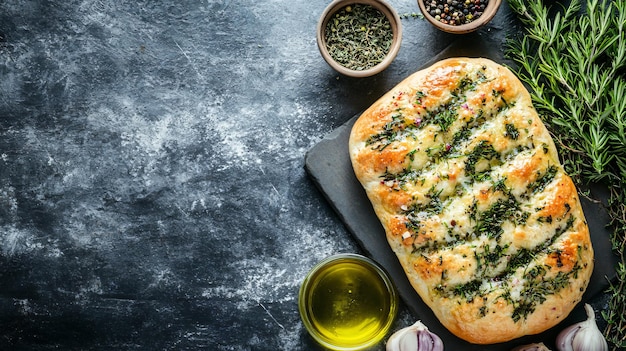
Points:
[(347, 302), (395, 26), (487, 14)]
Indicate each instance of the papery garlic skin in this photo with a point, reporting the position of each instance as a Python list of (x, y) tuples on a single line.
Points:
[(532, 347), (583, 336), (414, 338)]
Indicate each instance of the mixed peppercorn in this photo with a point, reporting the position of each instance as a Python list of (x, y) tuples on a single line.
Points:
[(455, 12)]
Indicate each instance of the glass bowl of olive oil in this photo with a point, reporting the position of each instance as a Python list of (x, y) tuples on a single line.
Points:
[(347, 302)]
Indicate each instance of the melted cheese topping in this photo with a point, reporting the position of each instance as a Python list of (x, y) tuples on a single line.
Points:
[(467, 183)]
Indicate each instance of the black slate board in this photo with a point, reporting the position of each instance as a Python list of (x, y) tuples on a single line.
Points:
[(328, 164)]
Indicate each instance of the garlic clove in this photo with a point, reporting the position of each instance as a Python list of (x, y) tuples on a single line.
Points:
[(582, 336), (406, 341), (532, 347), (416, 337)]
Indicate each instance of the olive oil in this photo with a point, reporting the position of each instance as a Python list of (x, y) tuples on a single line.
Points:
[(348, 303)]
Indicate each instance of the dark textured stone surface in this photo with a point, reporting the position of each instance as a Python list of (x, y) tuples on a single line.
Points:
[(152, 190)]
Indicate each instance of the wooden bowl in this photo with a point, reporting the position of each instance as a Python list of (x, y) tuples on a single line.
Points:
[(380, 5), (490, 10)]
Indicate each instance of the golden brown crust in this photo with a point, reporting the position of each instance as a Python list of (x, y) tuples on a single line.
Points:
[(466, 181)]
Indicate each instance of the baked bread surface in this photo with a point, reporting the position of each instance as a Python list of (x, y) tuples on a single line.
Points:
[(466, 181)]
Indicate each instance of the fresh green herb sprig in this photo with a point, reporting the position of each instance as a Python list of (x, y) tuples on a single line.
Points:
[(573, 58)]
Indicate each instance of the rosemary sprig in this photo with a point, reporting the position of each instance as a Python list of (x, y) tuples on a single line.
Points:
[(573, 58)]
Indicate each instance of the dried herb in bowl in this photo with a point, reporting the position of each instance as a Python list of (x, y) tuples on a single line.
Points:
[(358, 37)]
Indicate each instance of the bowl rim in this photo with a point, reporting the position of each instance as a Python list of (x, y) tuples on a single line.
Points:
[(387, 10), (381, 272), (486, 17)]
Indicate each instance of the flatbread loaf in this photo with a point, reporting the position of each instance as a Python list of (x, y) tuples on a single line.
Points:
[(466, 180)]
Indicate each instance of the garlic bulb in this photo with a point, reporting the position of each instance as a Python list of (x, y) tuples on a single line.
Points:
[(582, 336), (414, 338), (532, 347)]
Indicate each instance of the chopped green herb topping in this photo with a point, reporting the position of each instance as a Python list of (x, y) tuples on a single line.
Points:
[(545, 219), (432, 207), (489, 257), (511, 131), (500, 185), (445, 115), (400, 179), (537, 288), (419, 96), (524, 256), (389, 134), (545, 179), (490, 221), (506, 105), (469, 290), (482, 151)]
